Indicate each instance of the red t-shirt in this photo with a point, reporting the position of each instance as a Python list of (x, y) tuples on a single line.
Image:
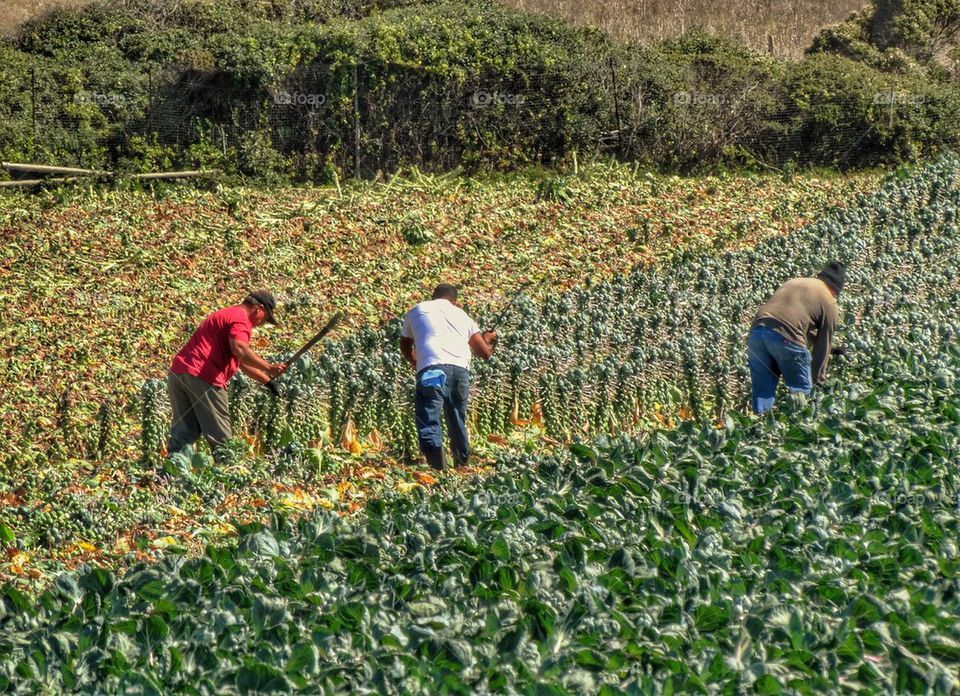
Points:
[(207, 354)]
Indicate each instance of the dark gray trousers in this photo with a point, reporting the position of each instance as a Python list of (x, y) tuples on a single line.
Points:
[(198, 409)]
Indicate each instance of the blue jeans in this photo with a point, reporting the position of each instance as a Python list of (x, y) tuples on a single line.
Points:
[(451, 401), (770, 356)]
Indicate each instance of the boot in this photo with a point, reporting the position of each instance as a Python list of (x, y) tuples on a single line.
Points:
[(436, 458)]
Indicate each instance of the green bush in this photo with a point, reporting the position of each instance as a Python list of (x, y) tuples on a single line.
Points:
[(895, 35), (701, 95), (258, 159), (841, 112), (63, 31), (444, 84)]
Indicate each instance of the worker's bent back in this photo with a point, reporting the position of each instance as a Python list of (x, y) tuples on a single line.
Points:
[(441, 332)]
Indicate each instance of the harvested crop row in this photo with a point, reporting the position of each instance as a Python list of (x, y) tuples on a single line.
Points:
[(662, 342), (107, 286)]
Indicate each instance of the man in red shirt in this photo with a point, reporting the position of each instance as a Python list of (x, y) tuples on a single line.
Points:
[(198, 377)]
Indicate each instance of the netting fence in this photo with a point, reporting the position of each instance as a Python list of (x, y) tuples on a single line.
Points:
[(369, 118)]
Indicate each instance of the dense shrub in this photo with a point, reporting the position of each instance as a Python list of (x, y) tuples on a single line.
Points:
[(699, 96), (846, 113), (896, 35), (436, 85)]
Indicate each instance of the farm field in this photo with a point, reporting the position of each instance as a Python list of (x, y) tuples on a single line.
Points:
[(109, 285), (615, 188), (632, 532)]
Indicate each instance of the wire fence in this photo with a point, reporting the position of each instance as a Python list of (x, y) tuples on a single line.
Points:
[(370, 118)]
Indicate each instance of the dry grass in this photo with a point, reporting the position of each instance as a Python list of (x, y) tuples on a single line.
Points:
[(789, 24), (15, 12)]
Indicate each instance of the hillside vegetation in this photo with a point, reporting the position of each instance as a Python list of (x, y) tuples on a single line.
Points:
[(643, 21), (325, 90), (790, 24)]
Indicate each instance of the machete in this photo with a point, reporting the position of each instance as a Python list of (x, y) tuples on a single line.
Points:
[(314, 341), (513, 298), (272, 385)]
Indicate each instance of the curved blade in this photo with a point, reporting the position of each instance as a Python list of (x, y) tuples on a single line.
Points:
[(513, 298), (316, 339)]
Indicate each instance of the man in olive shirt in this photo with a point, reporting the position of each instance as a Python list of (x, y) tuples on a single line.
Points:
[(802, 311)]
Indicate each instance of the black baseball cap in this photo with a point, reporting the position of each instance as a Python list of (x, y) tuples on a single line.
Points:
[(834, 275), (265, 299)]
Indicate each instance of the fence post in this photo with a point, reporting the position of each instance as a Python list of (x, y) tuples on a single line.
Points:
[(356, 123), (891, 101), (234, 137), (616, 108), (33, 98), (149, 102)]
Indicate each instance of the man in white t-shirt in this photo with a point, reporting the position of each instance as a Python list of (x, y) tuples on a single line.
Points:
[(438, 339)]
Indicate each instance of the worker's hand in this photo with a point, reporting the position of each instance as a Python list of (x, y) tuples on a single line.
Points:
[(490, 337), (838, 351), (276, 369), (274, 388)]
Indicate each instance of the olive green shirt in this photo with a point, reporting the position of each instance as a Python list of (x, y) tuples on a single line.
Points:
[(803, 311)]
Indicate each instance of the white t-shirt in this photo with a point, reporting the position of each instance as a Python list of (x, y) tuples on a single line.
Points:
[(441, 333)]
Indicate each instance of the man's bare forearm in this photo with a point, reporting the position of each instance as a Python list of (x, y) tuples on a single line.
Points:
[(482, 344), (254, 373), (249, 358), (409, 351)]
